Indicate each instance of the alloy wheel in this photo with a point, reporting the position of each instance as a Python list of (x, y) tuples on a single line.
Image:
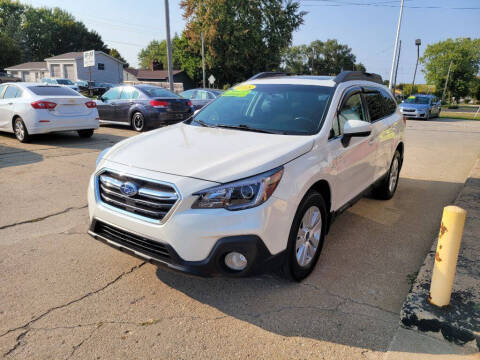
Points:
[(308, 236), (393, 175), (19, 130)]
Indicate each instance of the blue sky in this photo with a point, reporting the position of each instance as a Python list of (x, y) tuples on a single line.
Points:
[(368, 29)]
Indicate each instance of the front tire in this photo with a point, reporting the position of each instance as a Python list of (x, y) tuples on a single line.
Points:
[(138, 121), (306, 237), (20, 130), (85, 133), (386, 189)]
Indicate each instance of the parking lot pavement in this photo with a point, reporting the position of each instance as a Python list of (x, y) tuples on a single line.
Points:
[(65, 295)]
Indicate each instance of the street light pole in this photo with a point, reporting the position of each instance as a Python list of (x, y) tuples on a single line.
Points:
[(396, 68), (396, 45), (418, 42), (203, 61), (169, 46)]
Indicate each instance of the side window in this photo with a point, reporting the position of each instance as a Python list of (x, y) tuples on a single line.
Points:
[(187, 94), (135, 94), (2, 87), (375, 105), (127, 93), (11, 92), (390, 103), (352, 109), (112, 94), (210, 96)]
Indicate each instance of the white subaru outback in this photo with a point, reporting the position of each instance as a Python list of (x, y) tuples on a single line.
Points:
[(252, 181)]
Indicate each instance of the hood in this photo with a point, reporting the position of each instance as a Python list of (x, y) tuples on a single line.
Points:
[(213, 154)]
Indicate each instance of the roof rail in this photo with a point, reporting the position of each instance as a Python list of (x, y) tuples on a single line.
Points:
[(267, 74), (357, 75)]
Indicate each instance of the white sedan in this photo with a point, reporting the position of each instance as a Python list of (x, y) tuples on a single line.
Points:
[(29, 108)]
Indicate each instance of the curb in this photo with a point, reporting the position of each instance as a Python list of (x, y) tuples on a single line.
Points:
[(460, 321)]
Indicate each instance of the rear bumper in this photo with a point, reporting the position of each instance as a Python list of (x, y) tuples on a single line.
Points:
[(260, 260), (159, 117)]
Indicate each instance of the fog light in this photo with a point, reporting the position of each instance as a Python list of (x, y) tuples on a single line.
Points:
[(236, 261)]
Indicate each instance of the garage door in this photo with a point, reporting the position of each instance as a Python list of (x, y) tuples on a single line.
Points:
[(68, 69), (55, 70)]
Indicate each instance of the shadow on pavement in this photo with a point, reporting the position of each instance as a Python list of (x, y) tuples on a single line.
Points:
[(354, 295)]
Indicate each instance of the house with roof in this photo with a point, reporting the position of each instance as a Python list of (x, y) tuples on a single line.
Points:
[(70, 66), (156, 75)]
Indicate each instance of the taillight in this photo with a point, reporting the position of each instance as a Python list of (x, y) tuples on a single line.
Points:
[(91, 104), (189, 103), (43, 105), (158, 103)]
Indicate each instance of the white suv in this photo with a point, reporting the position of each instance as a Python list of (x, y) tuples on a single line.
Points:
[(252, 181)]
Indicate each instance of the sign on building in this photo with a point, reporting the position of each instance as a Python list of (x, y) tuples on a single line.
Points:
[(89, 58)]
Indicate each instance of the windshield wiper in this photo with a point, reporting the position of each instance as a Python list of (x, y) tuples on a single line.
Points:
[(245, 128), (201, 122)]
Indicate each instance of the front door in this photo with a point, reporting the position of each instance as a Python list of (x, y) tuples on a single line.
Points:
[(353, 163), (107, 102)]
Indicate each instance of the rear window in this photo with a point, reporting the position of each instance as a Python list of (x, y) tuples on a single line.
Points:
[(158, 92), (53, 91), (380, 104)]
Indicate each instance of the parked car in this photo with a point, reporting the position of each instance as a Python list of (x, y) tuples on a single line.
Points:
[(142, 107), (201, 97), (4, 77), (253, 180), (82, 85), (421, 106), (98, 88), (29, 108), (64, 82)]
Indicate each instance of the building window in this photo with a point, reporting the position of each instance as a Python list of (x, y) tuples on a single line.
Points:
[(101, 66)]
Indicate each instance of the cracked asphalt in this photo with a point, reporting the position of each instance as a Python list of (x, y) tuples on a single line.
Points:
[(66, 296)]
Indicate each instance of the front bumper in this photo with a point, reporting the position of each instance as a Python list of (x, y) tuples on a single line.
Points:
[(416, 114), (259, 259)]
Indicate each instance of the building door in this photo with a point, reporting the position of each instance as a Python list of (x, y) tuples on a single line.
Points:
[(68, 71), (55, 70)]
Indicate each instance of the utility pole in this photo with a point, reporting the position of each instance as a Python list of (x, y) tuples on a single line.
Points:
[(396, 67), (446, 81), (396, 45), (169, 46), (418, 42), (203, 60)]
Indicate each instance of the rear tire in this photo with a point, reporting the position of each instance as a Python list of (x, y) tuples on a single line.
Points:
[(138, 121), (85, 133), (20, 130), (306, 237), (387, 187)]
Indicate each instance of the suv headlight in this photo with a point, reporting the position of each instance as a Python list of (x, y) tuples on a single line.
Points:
[(241, 194), (101, 155)]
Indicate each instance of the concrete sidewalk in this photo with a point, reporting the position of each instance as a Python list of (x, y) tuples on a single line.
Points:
[(460, 322)]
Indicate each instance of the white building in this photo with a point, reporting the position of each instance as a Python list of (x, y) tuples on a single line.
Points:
[(70, 66)]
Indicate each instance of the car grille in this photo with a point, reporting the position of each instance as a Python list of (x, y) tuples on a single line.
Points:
[(132, 241), (152, 200), (408, 110)]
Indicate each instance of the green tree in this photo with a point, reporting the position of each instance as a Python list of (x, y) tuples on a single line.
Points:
[(114, 53), (9, 51), (242, 38), (320, 58), (157, 50), (463, 54)]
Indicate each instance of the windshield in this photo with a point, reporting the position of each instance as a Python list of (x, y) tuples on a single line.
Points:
[(64, 82), (158, 92), (417, 100), (278, 108)]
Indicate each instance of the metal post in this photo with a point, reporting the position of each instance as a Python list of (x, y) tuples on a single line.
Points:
[(446, 257), (90, 91), (418, 43), (203, 61), (396, 45), (446, 81), (396, 67), (169, 46)]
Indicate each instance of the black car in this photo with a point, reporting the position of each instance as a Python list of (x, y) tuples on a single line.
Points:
[(142, 107), (201, 97)]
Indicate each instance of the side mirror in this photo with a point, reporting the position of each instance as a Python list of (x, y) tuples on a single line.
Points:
[(355, 128)]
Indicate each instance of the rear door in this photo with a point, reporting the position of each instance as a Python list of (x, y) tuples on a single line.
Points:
[(352, 164), (123, 105), (382, 110), (106, 104), (4, 121), (8, 103)]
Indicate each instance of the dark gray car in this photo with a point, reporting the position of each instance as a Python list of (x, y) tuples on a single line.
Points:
[(421, 106), (201, 97)]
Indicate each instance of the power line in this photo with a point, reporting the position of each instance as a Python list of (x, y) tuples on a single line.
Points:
[(336, 3)]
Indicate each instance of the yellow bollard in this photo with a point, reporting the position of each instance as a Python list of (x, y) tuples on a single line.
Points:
[(449, 240)]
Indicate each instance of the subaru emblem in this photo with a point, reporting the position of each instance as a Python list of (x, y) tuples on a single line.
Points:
[(128, 188)]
